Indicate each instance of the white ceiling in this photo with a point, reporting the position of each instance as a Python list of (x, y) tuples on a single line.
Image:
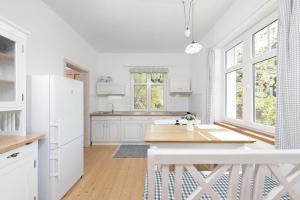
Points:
[(137, 26)]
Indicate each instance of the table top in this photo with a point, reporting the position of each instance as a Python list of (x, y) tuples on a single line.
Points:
[(201, 134), (11, 142)]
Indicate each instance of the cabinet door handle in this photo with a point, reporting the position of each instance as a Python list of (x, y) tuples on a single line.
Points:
[(13, 155)]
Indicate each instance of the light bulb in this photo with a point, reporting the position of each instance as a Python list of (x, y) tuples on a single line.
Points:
[(187, 32), (193, 48)]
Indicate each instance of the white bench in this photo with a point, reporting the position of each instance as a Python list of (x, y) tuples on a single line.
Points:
[(250, 165)]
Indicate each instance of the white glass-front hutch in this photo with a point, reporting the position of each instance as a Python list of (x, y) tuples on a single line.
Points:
[(12, 78)]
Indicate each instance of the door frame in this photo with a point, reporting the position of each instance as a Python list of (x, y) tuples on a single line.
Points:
[(86, 97)]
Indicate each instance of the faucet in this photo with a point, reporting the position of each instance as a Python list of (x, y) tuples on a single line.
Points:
[(112, 107)]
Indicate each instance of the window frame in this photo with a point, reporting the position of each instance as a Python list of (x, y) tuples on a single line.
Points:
[(247, 65), (148, 85)]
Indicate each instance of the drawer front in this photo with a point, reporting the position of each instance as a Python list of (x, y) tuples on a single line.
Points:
[(132, 118), (17, 154)]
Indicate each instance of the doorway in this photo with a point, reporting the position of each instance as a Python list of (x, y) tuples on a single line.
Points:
[(77, 72)]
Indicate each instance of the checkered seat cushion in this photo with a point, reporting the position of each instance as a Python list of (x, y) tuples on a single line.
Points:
[(189, 185)]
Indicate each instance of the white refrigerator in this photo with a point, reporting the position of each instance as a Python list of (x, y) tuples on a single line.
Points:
[(55, 108)]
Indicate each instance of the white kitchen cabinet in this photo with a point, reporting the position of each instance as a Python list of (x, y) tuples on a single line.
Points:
[(12, 78), (125, 129), (132, 131), (18, 173), (106, 129), (99, 131), (108, 89), (180, 86), (113, 131)]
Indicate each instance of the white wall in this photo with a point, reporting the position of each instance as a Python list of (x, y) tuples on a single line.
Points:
[(199, 86), (51, 40), (116, 66)]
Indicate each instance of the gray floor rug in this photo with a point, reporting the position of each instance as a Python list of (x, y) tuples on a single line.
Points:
[(131, 151)]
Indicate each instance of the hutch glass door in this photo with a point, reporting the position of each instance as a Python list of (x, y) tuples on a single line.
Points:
[(7, 70)]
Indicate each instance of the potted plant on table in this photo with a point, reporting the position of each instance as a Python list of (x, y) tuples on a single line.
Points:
[(190, 121)]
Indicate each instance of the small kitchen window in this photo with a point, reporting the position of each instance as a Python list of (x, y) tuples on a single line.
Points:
[(148, 89)]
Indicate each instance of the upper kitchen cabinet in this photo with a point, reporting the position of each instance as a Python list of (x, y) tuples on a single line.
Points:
[(180, 86), (110, 89), (12, 79), (12, 66)]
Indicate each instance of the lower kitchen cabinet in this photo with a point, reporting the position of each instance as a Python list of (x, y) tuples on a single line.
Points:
[(132, 131), (18, 173), (113, 130), (105, 131), (98, 131), (125, 129)]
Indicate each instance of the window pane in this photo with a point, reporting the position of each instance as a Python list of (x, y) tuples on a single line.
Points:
[(7, 70), (140, 97), (234, 94), (265, 92), (261, 42), (274, 35), (266, 39), (234, 56), (157, 96), (157, 77), (238, 54), (230, 58), (140, 77)]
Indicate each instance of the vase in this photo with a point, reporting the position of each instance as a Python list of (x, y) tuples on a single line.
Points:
[(190, 126)]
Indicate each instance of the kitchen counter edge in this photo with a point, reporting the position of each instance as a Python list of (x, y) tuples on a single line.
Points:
[(134, 113), (10, 142)]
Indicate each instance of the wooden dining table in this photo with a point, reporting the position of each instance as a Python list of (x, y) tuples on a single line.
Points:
[(202, 137)]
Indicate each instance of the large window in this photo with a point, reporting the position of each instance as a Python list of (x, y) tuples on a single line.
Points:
[(250, 76), (148, 91)]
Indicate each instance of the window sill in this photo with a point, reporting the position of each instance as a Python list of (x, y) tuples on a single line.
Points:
[(255, 134)]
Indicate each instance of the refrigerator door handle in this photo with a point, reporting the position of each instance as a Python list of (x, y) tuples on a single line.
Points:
[(56, 158), (56, 140)]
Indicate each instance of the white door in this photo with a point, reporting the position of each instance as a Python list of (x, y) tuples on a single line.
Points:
[(69, 166), (18, 180), (132, 131), (99, 131), (66, 102)]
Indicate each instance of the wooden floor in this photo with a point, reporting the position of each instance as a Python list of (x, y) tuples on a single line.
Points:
[(109, 178)]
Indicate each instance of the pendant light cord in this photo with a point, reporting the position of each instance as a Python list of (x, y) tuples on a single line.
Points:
[(192, 5), (184, 13), (187, 23)]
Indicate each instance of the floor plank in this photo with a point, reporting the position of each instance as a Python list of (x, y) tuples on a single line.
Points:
[(109, 178)]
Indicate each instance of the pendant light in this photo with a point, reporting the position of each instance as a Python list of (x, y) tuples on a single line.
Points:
[(194, 47)]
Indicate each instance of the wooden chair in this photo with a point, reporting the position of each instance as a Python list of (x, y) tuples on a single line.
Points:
[(249, 166)]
